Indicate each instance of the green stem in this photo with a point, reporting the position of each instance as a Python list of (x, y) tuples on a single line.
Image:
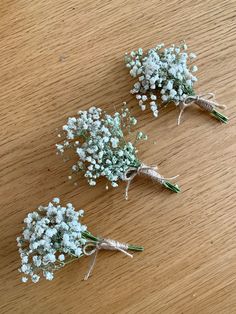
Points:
[(219, 116), (136, 248), (72, 259), (173, 187), (87, 235)]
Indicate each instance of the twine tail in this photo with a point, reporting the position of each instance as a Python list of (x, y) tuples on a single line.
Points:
[(129, 175), (179, 117), (127, 189), (125, 252), (91, 266), (183, 106)]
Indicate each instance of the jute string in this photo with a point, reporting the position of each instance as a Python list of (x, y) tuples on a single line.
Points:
[(201, 101), (103, 244), (148, 171)]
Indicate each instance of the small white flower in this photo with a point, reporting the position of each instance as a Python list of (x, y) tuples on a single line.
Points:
[(78, 252), (25, 259), (81, 153), (155, 113), (24, 279), (24, 268), (35, 278), (50, 258), (169, 85), (51, 232), (192, 55), (173, 93), (48, 275), (37, 260), (114, 142), (60, 148), (164, 98), (194, 68), (56, 200), (61, 257), (92, 182)]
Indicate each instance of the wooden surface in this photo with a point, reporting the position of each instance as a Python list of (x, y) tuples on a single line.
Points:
[(61, 56)]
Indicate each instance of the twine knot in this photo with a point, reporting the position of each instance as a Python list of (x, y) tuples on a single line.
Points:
[(103, 244), (201, 101)]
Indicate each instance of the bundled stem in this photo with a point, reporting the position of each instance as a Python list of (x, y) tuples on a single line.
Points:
[(173, 187), (204, 101), (219, 116), (151, 173)]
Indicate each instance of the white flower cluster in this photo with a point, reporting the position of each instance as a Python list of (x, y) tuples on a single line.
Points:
[(99, 141), (51, 236), (164, 70)]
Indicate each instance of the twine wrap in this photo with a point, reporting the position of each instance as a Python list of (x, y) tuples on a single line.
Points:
[(144, 170), (202, 102), (103, 244)]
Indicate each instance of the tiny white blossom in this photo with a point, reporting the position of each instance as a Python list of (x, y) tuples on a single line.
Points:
[(24, 279), (194, 68), (61, 257), (25, 259), (56, 200), (35, 278), (48, 275)]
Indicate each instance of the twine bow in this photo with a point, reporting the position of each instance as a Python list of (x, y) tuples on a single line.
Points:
[(148, 171), (103, 244), (201, 101)]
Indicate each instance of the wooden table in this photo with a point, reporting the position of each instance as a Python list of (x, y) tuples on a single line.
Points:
[(61, 56)]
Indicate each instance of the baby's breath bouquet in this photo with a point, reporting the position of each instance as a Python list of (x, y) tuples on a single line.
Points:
[(53, 237), (100, 143), (166, 74)]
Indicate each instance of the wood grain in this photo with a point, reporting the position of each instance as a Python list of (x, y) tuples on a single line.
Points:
[(61, 56)]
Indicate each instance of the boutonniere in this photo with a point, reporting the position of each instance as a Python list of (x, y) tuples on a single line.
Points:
[(167, 74), (53, 237), (100, 142)]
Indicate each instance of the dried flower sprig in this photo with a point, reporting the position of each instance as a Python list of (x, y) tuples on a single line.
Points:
[(100, 142), (168, 73), (53, 237)]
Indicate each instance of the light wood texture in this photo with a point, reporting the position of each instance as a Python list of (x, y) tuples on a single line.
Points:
[(61, 56)]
